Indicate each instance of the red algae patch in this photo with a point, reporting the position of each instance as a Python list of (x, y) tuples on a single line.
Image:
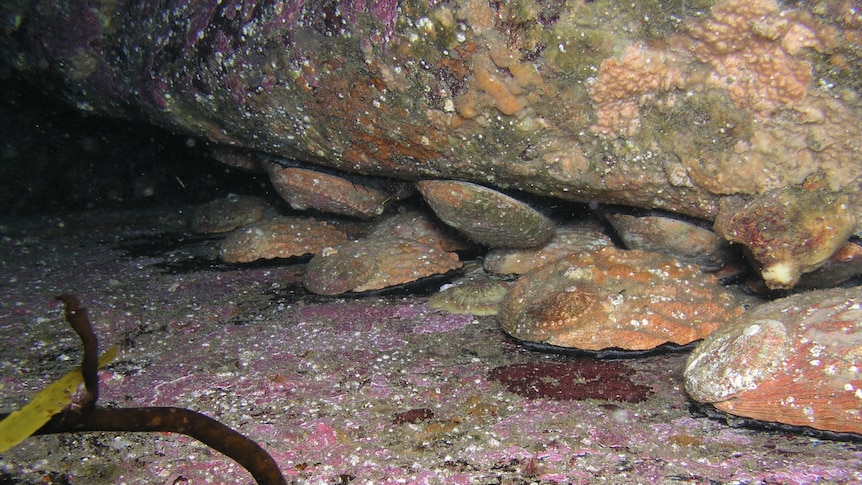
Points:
[(614, 298), (280, 237), (485, 215), (797, 361), (574, 380)]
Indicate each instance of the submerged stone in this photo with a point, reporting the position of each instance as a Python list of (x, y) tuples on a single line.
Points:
[(375, 263), (672, 236), (305, 189), (566, 240)]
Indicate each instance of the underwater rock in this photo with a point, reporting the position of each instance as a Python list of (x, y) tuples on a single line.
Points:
[(306, 189), (614, 298), (667, 105), (683, 240), (280, 237), (227, 214), (375, 263), (788, 231), (485, 215), (568, 239), (795, 361), (474, 294)]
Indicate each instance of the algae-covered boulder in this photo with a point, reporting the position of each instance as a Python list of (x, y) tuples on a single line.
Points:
[(671, 105)]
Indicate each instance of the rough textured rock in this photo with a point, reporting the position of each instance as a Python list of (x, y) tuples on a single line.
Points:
[(420, 227), (666, 105), (614, 298), (793, 361), (788, 231), (840, 267), (485, 215)]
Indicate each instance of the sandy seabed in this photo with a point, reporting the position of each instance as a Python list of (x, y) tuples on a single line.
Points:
[(372, 389)]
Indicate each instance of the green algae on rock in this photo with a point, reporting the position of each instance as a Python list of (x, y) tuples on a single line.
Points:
[(794, 361), (614, 298), (485, 215)]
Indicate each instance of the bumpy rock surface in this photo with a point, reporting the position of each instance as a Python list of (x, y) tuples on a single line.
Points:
[(304, 189), (613, 298), (794, 361), (399, 249), (667, 105)]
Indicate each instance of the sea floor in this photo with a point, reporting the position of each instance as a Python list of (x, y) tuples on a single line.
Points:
[(373, 389)]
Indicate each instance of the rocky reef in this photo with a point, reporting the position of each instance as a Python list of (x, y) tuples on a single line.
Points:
[(740, 115), (664, 105)]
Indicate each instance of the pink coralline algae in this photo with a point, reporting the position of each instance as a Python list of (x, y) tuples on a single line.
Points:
[(612, 298), (794, 361)]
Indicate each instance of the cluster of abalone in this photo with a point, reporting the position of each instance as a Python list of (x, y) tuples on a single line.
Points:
[(567, 284)]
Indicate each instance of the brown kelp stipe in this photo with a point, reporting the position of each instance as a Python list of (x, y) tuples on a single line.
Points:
[(88, 417)]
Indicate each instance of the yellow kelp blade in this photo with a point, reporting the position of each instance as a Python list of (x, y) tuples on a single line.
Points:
[(53, 399)]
